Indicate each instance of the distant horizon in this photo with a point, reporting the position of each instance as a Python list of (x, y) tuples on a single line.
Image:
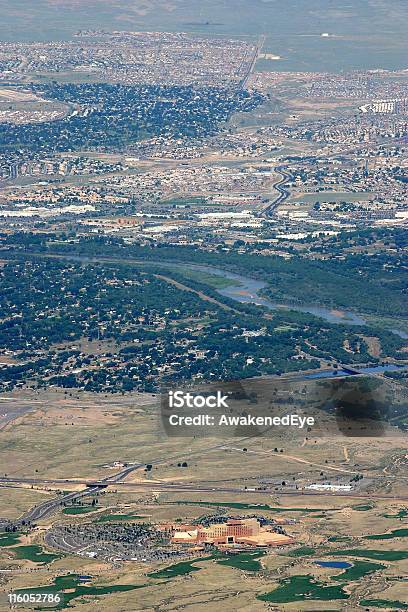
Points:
[(364, 35)]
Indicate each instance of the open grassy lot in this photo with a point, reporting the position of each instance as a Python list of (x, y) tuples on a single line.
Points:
[(86, 434), (14, 502)]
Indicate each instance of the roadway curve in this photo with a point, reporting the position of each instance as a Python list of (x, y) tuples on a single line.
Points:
[(283, 193), (50, 506)]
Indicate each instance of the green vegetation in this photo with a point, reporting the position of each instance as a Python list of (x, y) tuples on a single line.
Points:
[(79, 510), (179, 569), (149, 318), (71, 588), (358, 570), (380, 555), (384, 603), (119, 517), (212, 280), (9, 539), (33, 552), (399, 515), (302, 588), (339, 539), (396, 533), (244, 561), (152, 321), (303, 551), (363, 507), (181, 111), (247, 561), (105, 518), (365, 283)]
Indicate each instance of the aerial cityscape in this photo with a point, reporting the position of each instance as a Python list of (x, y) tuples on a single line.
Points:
[(203, 297)]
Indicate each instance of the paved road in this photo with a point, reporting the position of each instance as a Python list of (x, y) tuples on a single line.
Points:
[(45, 508), (48, 507), (280, 187), (261, 42), (12, 409)]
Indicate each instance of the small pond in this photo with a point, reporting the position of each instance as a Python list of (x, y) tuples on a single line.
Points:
[(336, 564)]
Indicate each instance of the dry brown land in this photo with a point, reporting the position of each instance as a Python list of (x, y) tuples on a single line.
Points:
[(68, 437)]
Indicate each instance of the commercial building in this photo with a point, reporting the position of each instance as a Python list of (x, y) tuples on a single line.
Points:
[(247, 532)]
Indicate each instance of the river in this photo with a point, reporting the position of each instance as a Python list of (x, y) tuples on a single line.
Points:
[(249, 291)]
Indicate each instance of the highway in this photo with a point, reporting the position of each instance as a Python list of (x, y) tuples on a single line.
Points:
[(48, 507), (258, 49), (93, 487), (283, 194)]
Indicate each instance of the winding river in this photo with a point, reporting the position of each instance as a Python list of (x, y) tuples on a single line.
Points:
[(248, 290), (245, 289)]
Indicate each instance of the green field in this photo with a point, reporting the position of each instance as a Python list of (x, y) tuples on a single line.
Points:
[(396, 533), (399, 515), (79, 510), (118, 517), (244, 561), (358, 570), (30, 552), (71, 589), (179, 569), (9, 539), (33, 552), (363, 507), (303, 588), (383, 603), (247, 561), (379, 555), (212, 280), (303, 551)]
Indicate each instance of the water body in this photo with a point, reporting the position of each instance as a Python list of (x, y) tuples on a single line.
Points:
[(248, 292), (400, 333), (335, 564), (368, 370), (249, 289)]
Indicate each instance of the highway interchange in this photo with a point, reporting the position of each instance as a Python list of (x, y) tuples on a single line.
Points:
[(92, 486)]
